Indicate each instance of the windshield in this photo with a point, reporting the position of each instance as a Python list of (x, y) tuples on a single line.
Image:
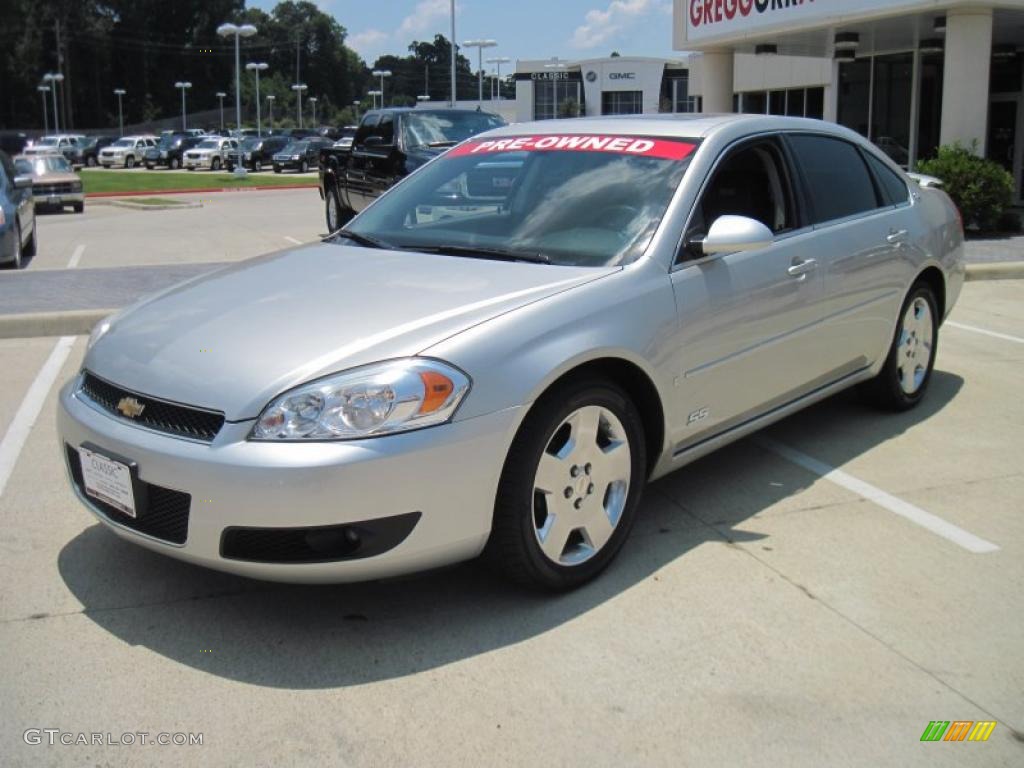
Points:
[(208, 144), (124, 143), (573, 199), (168, 140), (446, 127), (296, 147), (251, 143), (49, 141), (40, 166)]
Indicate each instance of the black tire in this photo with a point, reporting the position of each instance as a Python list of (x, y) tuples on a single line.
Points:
[(335, 213), (173, 164), (885, 390), (79, 207), (513, 547), (257, 166), (31, 247), (303, 166), (277, 169), (215, 164), (90, 161), (149, 166), (129, 162), (16, 264)]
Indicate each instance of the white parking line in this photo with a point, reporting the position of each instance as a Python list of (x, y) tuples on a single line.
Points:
[(904, 509), (293, 240), (993, 334), (28, 411), (76, 256)]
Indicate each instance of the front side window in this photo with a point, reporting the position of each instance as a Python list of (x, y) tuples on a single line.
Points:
[(838, 182), (750, 182), (386, 130), (576, 200)]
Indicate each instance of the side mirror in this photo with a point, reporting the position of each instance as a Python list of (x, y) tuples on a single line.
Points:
[(732, 234), (374, 142), (23, 182)]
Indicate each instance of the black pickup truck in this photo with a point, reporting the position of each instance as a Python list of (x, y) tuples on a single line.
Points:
[(388, 146)]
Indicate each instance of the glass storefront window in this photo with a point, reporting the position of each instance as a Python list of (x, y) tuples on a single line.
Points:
[(777, 103), (556, 98), (855, 94), (622, 102), (815, 103), (929, 115), (795, 103), (755, 103), (890, 112)]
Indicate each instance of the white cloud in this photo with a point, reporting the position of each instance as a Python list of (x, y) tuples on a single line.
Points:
[(600, 26), (366, 42), (424, 16)]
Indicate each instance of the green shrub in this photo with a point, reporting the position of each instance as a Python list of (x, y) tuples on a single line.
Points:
[(982, 189)]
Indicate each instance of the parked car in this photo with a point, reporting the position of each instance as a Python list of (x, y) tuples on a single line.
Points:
[(254, 152), (127, 151), (54, 183), (170, 149), (18, 236), (13, 142), (300, 154), (66, 144), (497, 355), (211, 152), (345, 137), (89, 148), (388, 145)]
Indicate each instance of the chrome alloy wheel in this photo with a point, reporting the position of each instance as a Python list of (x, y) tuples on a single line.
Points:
[(915, 346), (333, 212), (581, 485)]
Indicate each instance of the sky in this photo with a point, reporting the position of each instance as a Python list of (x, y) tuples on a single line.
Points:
[(524, 29)]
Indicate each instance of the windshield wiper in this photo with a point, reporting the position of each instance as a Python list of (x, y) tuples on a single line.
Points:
[(363, 240), (481, 252)]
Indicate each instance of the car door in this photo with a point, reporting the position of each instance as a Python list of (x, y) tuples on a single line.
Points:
[(862, 241), (747, 320), (356, 183), (21, 197), (381, 165)]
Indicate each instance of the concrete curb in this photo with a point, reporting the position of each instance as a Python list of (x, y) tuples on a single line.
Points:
[(998, 270), (199, 190), (78, 322), (143, 207)]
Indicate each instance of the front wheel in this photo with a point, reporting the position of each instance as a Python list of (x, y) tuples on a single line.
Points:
[(570, 487), (90, 161), (215, 165), (257, 166), (129, 162), (173, 163), (303, 166), (903, 380)]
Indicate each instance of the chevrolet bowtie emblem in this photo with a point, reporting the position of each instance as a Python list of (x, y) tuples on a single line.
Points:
[(130, 407)]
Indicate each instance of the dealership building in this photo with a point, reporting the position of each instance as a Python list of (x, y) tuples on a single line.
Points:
[(908, 74)]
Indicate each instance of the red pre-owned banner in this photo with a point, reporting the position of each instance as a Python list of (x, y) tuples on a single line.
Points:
[(639, 146)]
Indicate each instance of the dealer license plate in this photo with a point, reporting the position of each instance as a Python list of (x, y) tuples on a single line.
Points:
[(108, 481)]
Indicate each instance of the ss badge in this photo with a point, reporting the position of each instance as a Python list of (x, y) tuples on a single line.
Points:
[(698, 415)]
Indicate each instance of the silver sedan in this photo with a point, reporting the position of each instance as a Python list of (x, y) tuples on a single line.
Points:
[(498, 354)]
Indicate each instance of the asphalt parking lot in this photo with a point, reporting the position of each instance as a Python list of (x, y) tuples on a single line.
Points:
[(814, 595)]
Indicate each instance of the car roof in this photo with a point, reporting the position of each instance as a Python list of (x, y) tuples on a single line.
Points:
[(690, 125), (428, 111)]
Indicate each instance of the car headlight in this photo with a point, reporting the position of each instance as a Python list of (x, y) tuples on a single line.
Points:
[(295, 157), (378, 399)]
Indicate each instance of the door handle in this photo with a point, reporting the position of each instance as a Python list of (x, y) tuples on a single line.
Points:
[(801, 268), (896, 236)]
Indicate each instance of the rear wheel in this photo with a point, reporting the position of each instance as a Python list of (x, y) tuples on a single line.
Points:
[(257, 165), (16, 264), (570, 487), (303, 166), (90, 161), (903, 380), (79, 207), (173, 163)]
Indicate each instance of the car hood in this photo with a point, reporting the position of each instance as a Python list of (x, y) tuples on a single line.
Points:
[(54, 178), (232, 340)]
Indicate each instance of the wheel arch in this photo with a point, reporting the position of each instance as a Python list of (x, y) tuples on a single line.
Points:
[(932, 276), (638, 386)]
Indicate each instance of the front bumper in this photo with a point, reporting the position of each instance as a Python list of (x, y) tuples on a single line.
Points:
[(449, 474), (288, 165), (61, 199), (203, 162)]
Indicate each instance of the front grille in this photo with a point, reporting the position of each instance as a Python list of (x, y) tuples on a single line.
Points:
[(318, 544), (192, 156), (160, 512), (174, 419), (64, 188)]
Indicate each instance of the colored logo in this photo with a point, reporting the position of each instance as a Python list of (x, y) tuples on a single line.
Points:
[(130, 407), (958, 730), (591, 76)]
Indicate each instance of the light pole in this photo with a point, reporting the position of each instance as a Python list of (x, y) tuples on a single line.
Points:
[(299, 88), (312, 100), (381, 73), (270, 104), (480, 45), (497, 61), (53, 78), (184, 87), (119, 92), (453, 53), (43, 90), (220, 95), (246, 30), (257, 67), (373, 95)]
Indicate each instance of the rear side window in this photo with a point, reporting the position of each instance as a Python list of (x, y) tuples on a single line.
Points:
[(838, 182), (366, 128), (894, 191)]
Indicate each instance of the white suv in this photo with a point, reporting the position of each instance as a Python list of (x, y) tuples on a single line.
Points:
[(209, 153), (127, 151)]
